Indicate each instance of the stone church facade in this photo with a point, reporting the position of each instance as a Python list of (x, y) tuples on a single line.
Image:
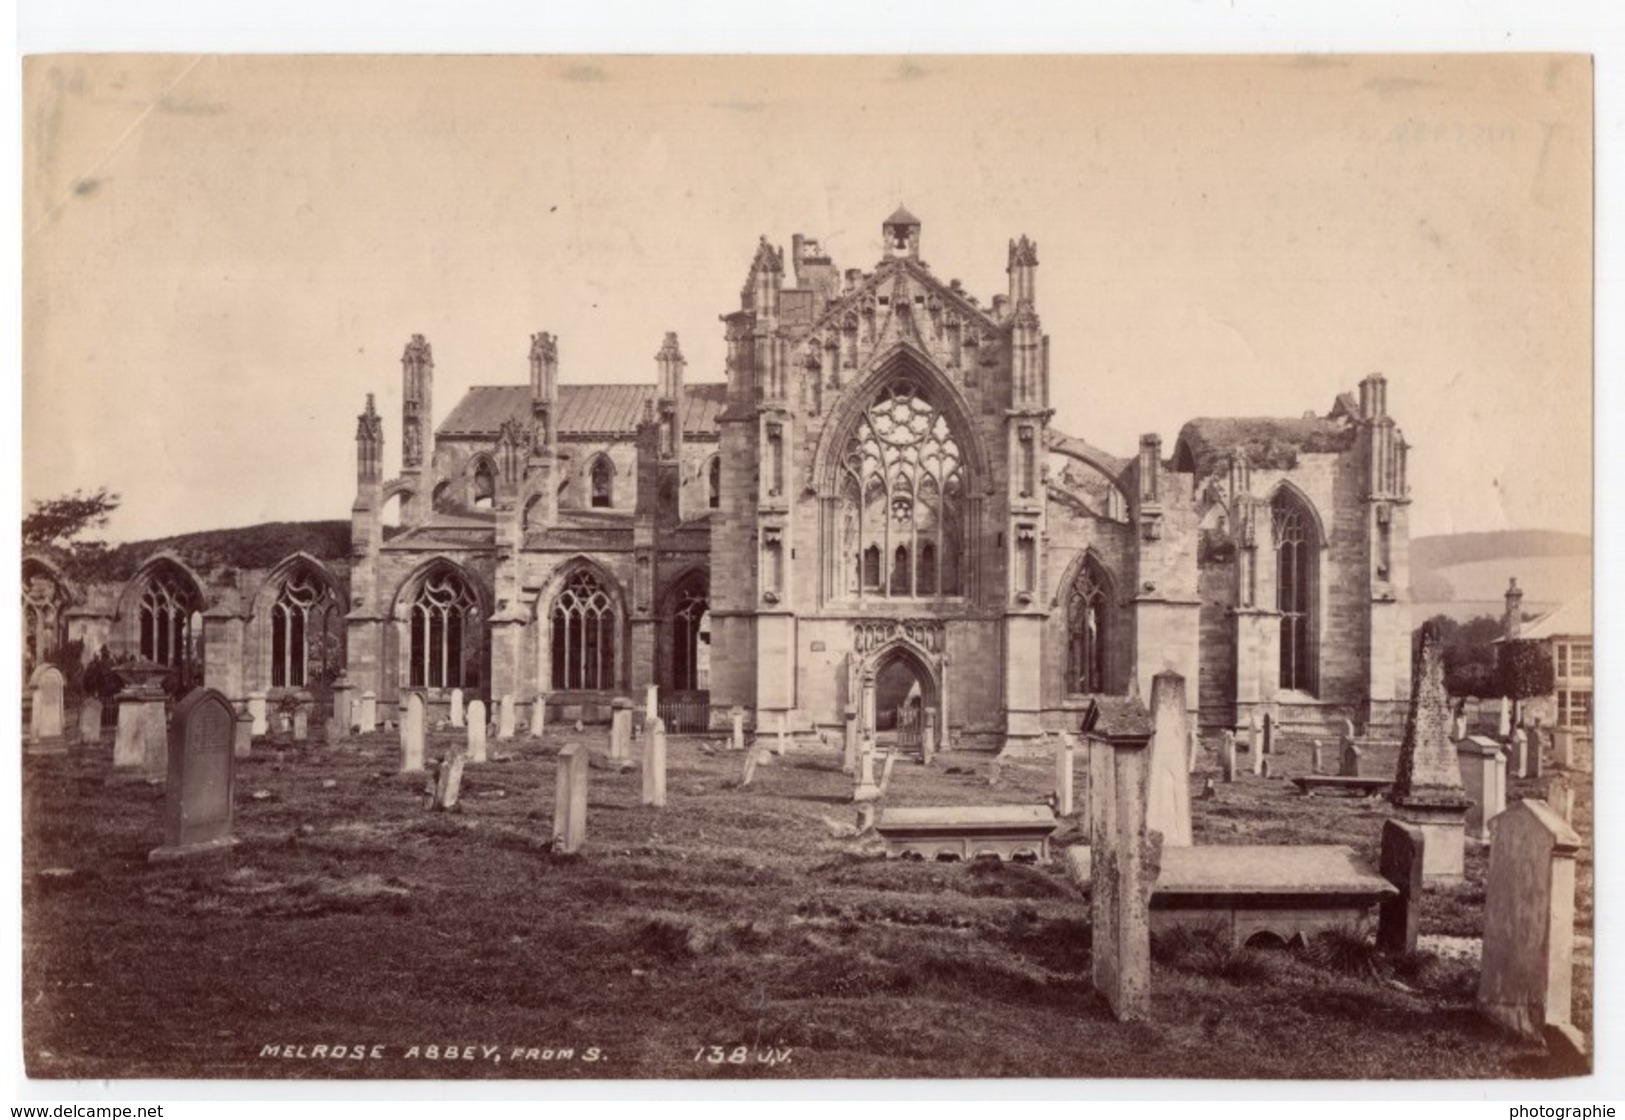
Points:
[(875, 504), (872, 514)]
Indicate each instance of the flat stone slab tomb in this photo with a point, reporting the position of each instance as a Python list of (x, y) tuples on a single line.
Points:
[(1319, 783), (966, 832), (1244, 890)]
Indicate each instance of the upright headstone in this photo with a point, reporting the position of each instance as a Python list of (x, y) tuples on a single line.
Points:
[(457, 713), (412, 732), (1401, 864), (538, 717), (1560, 796), (1125, 858), (781, 742), (449, 784), (849, 763), (198, 789), (1536, 751), (258, 710), (736, 727), (1458, 726), (1483, 774), (651, 706), (1063, 775), (505, 717), (476, 731), (343, 699), (867, 789), (1227, 756), (1563, 747), (90, 720), (752, 758), (1254, 738), (928, 735), (885, 772), (654, 763), (242, 739), (1269, 734), (1316, 762), (1427, 789), (45, 722), (570, 800), (1526, 980), (1168, 809), (1520, 753), (620, 728), (1348, 762), (1503, 725), (301, 723), (369, 712)]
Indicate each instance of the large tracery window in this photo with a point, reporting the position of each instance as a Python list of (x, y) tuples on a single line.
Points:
[(902, 485), (302, 646), (691, 637), (1294, 591), (584, 630), (1086, 612), (170, 626), (446, 633)]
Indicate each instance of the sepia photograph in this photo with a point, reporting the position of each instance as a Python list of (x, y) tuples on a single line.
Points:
[(933, 566)]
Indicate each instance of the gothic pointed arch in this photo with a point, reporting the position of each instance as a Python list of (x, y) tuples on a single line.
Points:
[(1087, 601), (585, 614), (46, 598), (1296, 539), (298, 625), (600, 479), (686, 615), (442, 609), (482, 481), (902, 472), (160, 617)]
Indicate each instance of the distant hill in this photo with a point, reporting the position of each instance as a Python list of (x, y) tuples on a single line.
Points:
[(213, 550), (1465, 574)]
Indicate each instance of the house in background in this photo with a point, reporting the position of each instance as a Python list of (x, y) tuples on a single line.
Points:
[(1567, 631)]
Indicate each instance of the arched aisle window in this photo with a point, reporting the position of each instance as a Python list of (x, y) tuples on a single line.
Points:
[(303, 643), (691, 635), (447, 633), (902, 488), (44, 624), (170, 623), (603, 483), (584, 631), (714, 483), (1086, 621), (485, 485), (1295, 548)]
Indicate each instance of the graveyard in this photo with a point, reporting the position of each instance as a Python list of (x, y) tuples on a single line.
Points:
[(368, 923)]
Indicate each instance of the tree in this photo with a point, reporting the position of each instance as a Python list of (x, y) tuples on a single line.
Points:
[(1525, 670), (54, 522)]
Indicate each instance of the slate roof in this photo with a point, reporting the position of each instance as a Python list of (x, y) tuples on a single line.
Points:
[(1271, 443), (1571, 620), (584, 410)]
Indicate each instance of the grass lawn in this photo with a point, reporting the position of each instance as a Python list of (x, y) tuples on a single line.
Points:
[(733, 933)]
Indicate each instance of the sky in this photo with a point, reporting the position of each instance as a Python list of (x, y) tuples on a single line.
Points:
[(223, 255)]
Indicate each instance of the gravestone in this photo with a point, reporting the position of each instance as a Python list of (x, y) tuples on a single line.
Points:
[(198, 789), (1563, 747), (736, 726), (1401, 863), (505, 717), (90, 720), (1063, 775), (1536, 751), (538, 717), (457, 707), (258, 711), (45, 722), (1269, 733), (651, 706), (1458, 726), (1484, 775), (751, 757), (1427, 789), (142, 743), (476, 731), (1253, 737), (1125, 858), (1520, 753), (928, 735), (343, 707), (1227, 756), (412, 733), (369, 712), (1315, 760), (1168, 809), (1560, 796), (449, 784), (242, 741), (866, 790), (301, 723), (1348, 761), (1503, 725), (654, 763), (620, 728), (1526, 980), (1267, 770), (849, 762), (885, 772), (570, 800)]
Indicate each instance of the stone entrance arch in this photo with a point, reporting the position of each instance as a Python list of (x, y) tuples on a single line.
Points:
[(926, 660)]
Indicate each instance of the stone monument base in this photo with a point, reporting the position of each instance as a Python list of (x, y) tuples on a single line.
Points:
[(1444, 829)]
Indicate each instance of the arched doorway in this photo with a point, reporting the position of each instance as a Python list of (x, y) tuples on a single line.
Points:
[(901, 695)]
